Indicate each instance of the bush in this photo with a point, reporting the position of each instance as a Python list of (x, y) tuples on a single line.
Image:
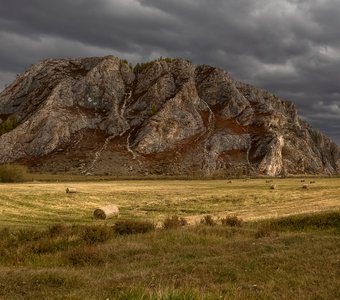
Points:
[(174, 222), (168, 59), (29, 235), (140, 67), (153, 111), (231, 221), (208, 220), (9, 124), (131, 227), (57, 230), (83, 256), (48, 245), (96, 234), (13, 173)]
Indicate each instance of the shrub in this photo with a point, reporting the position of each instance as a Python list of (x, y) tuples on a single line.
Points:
[(125, 61), (174, 222), (231, 221), (28, 235), (5, 233), (96, 234), (166, 59), (153, 111), (13, 173), (83, 256), (48, 245), (57, 230), (9, 124), (131, 227), (140, 67), (208, 220)]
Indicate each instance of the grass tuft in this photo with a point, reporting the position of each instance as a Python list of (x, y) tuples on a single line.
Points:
[(231, 221), (143, 294), (57, 230), (133, 227), (96, 234), (84, 256), (208, 220), (174, 222)]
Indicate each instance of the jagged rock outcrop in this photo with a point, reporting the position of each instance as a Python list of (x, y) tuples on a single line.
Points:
[(98, 115)]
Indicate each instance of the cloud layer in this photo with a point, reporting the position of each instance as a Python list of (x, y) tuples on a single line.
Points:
[(290, 47)]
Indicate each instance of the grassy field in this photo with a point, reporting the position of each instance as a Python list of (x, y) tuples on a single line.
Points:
[(287, 246), (41, 204)]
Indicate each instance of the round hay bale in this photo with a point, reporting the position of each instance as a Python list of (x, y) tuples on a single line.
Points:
[(71, 190), (305, 186), (273, 187), (106, 212)]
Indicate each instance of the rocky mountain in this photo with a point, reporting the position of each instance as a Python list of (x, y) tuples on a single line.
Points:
[(169, 116)]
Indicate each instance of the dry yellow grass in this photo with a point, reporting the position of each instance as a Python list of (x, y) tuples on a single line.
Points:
[(42, 204), (291, 258)]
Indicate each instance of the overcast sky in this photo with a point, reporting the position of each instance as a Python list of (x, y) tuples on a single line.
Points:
[(290, 47)]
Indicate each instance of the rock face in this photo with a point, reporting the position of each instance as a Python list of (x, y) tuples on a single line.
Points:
[(98, 115)]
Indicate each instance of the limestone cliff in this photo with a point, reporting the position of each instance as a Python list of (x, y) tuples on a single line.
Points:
[(169, 116)]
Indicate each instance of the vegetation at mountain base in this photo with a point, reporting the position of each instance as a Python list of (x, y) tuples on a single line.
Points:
[(13, 173)]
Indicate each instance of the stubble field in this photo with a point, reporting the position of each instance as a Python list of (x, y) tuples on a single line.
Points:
[(42, 204)]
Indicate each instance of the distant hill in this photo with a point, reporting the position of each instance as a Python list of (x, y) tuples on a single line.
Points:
[(101, 116)]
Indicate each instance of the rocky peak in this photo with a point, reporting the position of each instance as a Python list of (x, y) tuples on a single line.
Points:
[(169, 116)]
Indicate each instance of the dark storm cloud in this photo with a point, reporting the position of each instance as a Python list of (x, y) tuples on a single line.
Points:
[(290, 47)]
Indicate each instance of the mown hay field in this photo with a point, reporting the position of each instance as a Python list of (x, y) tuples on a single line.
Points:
[(43, 204)]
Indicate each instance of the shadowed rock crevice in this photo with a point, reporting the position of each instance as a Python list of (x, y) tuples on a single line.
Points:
[(101, 116)]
